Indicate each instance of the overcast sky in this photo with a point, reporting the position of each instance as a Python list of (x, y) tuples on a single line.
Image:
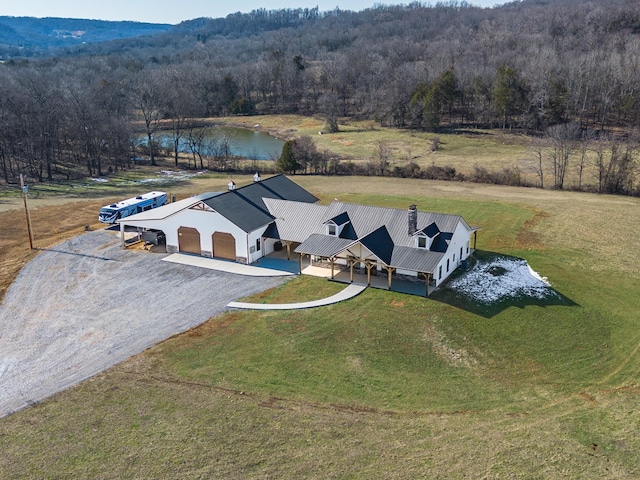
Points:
[(174, 11)]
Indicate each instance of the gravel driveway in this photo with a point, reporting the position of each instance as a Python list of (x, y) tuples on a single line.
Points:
[(86, 304)]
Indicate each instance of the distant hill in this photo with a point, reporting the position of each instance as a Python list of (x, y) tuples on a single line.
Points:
[(30, 36)]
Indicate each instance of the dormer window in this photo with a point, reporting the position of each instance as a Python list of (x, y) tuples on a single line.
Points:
[(332, 230), (422, 242)]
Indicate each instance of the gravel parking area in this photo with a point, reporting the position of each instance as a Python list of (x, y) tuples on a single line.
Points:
[(85, 305)]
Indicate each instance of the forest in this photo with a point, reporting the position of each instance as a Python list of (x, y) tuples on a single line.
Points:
[(565, 73)]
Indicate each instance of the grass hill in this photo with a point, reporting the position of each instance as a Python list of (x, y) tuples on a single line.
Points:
[(385, 385)]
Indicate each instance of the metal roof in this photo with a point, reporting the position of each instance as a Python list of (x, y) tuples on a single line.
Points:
[(415, 259), (323, 245), (366, 218), (379, 243), (340, 219), (169, 209), (294, 221), (245, 207)]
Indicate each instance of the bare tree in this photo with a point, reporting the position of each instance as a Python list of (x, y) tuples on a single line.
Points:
[(616, 165), (562, 140), (148, 97), (537, 149)]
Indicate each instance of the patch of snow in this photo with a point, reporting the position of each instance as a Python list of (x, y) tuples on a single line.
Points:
[(165, 176), (100, 180), (502, 277)]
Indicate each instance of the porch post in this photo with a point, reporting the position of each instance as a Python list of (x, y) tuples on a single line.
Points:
[(288, 244), (389, 277), (332, 260), (300, 264), (368, 266), (351, 263), (122, 234)]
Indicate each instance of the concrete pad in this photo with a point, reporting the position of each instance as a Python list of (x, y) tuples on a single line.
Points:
[(317, 271), (224, 266), (349, 292)]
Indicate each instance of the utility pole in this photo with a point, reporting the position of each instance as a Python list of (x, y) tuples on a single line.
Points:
[(25, 191)]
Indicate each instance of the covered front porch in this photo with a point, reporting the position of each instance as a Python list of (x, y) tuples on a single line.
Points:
[(368, 271)]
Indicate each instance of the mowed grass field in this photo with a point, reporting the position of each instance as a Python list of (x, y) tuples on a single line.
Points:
[(385, 385)]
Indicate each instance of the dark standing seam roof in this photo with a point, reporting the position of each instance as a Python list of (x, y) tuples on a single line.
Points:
[(246, 209), (441, 242), (339, 219), (430, 231), (379, 243)]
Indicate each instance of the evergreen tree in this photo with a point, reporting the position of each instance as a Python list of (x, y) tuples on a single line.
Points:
[(287, 162)]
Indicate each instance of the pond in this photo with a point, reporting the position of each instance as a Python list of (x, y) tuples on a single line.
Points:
[(240, 142)]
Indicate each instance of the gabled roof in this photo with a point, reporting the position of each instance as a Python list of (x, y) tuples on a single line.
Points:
[(379, 243), (323, 245), (384, 232), (441, 242), (169, 209), (430, 231), (366, 218), (294, 221), (339, 219), (245, 206)]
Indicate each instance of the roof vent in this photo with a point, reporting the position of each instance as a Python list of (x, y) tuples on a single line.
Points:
[(256, 177), (231, 185), (413, 219)]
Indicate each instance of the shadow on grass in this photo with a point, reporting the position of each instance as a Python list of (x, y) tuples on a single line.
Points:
[(473, 299)]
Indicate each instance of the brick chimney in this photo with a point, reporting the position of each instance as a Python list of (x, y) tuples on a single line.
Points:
[(412, 217)]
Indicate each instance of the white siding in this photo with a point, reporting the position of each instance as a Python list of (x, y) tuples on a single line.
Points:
[(459, 240)]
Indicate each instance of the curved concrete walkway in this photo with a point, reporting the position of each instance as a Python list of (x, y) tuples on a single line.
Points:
[(351, 291), (225, 266)]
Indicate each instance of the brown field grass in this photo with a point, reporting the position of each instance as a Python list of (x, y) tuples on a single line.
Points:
[(357, 141), (142, 420)]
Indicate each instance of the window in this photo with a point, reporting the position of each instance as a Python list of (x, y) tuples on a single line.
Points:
[(461, 253), (332, 230), (422, 242), (454, 258), (440, 273), (467, 247), (258, 242), (447, 264)]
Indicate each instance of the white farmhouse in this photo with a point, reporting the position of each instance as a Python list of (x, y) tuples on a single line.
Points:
[(246, 223)]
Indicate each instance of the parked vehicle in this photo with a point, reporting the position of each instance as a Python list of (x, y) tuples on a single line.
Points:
[(131, 206)]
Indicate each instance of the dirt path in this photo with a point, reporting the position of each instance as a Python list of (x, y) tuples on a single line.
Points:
[(86, 304)]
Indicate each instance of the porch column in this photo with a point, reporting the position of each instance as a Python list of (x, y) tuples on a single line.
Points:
[(288, 244), (332, 261), (122, 234), (389, 273), (351, 264), (368, 267), (426, 279), (300, 264)]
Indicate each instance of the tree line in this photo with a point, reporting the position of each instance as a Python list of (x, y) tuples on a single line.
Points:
[(532, 66)]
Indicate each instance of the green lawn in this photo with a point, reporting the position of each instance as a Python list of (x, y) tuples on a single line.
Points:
[(384, 385)]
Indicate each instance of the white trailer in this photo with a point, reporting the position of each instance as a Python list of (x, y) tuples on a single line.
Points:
[(115, 211)]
